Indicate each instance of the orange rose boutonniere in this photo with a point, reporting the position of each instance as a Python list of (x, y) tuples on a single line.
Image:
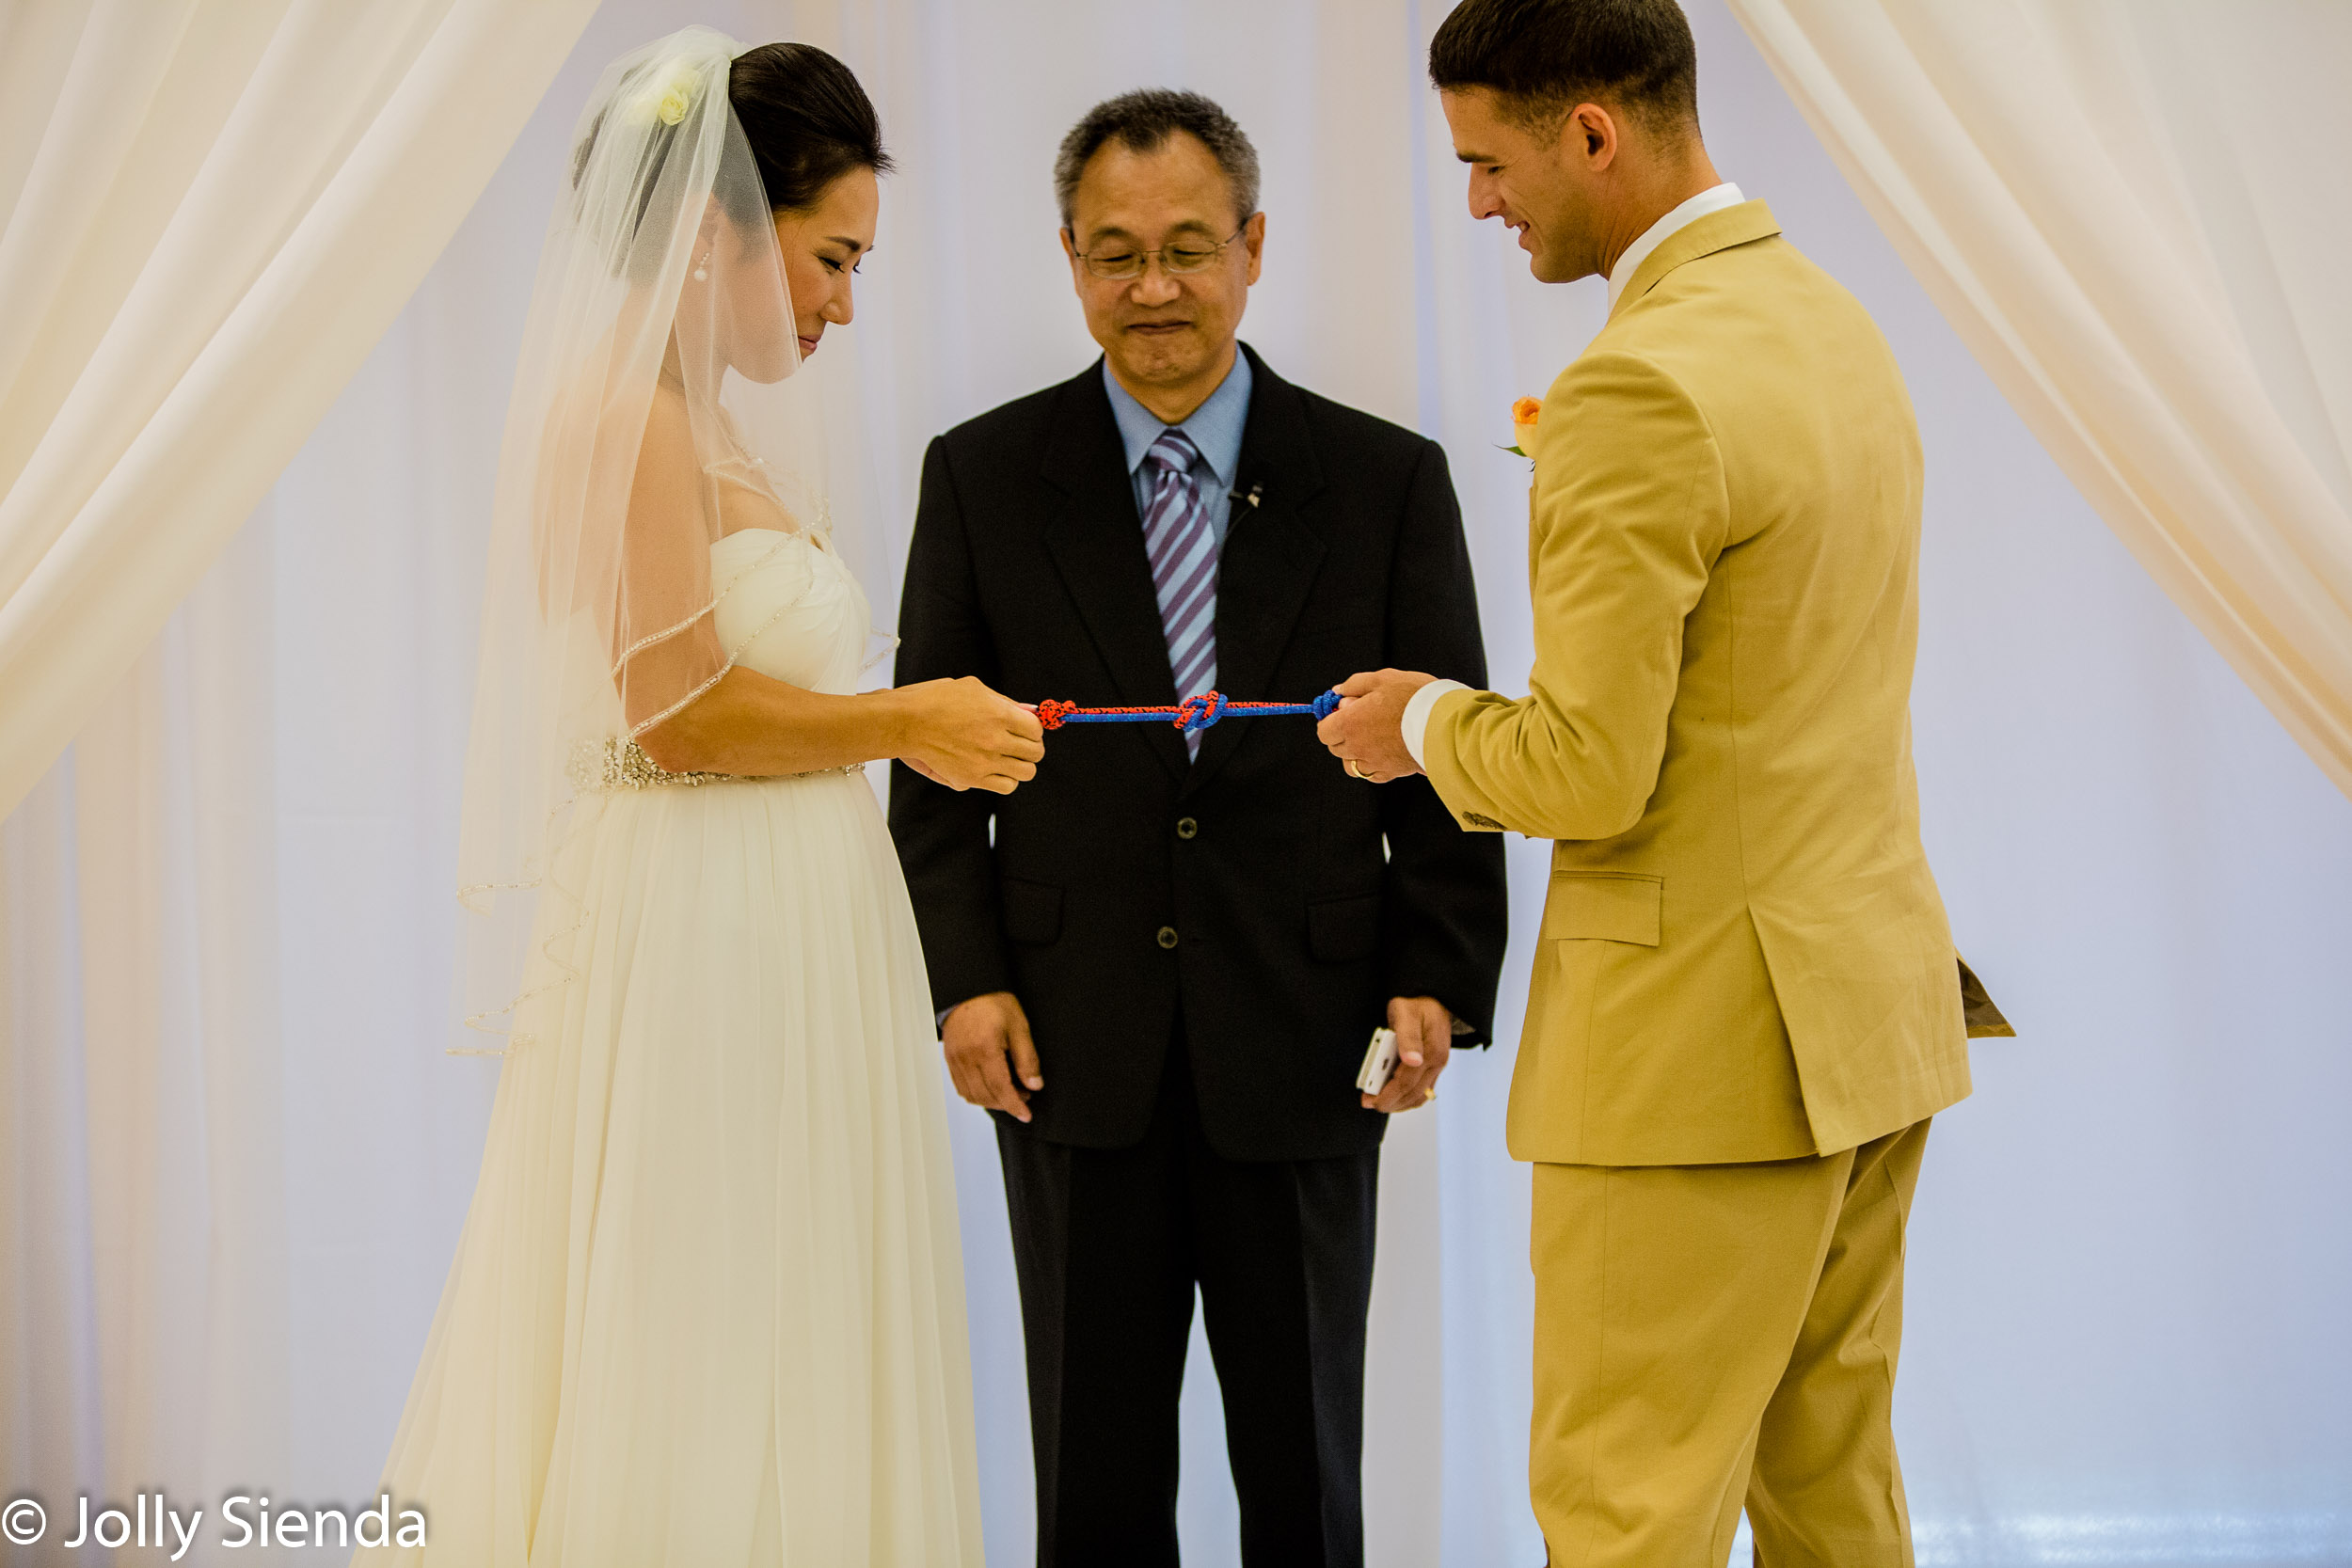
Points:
[(1523, 416)]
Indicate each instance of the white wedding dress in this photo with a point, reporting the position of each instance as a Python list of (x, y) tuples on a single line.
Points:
[(708, 1310)]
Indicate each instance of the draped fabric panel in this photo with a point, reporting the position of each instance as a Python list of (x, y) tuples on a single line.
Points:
[(214, 208), (227, 203), (226, 921), (139, 1056), (2127, 209)]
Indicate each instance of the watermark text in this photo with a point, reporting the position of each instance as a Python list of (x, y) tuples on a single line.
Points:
[(153, 1520)]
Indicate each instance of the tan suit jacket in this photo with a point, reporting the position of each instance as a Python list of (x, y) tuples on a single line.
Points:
[(1744, 954)]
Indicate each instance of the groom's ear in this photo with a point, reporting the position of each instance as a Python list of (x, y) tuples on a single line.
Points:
[(1588, 136), (1253, 241)]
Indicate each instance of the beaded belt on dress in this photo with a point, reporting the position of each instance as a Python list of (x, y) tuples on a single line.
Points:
[(612, 763)]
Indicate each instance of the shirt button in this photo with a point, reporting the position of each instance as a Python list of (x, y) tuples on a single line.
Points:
[(1187, 828), (1168, 935)]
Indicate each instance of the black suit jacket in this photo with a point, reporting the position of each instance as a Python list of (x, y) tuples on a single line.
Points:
[(1263, 862)]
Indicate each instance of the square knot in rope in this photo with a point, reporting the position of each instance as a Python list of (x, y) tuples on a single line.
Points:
[(1192, 715), (1198, 713)]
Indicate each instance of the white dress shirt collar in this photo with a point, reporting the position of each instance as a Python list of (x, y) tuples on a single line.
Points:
[(1713, 199)]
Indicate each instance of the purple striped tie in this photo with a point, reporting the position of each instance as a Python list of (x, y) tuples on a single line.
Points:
[(1183, 549)]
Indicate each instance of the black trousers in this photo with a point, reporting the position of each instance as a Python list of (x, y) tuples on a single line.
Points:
[(1108, 1245)]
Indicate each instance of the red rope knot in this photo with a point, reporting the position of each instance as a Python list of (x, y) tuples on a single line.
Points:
[(1198, 713), (1051, 712)]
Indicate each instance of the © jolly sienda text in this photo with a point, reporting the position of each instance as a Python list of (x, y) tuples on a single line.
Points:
[(244, 1522)]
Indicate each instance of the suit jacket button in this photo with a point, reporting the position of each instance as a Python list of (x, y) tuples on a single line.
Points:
[(1187, 828), (1168, 935)]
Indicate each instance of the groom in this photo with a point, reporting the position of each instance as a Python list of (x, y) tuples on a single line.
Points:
[(1745, 1005), (1163, 959)]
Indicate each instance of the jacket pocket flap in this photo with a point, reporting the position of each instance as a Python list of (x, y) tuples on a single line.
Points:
[(1616, 905)]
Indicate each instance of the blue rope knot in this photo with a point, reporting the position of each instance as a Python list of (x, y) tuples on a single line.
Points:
[(1192, 715), (1195, 713)]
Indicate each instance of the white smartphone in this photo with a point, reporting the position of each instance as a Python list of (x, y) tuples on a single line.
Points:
[(1379, 1061)]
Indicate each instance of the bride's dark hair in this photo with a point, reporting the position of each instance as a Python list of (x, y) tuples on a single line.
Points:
[(808, 120), (803, 116)]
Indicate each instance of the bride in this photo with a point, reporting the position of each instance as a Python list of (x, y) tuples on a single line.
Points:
[(707, 1308)]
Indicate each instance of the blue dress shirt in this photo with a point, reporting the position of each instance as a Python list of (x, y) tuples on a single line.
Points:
[(1216, 428)]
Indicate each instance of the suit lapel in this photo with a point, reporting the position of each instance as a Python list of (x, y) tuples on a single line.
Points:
[(1272, 553), (1096, 540)]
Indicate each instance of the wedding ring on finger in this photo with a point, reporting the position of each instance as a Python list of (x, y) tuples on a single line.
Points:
[(1356, 770)]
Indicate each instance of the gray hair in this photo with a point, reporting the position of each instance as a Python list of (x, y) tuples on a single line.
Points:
[(1142, 121)]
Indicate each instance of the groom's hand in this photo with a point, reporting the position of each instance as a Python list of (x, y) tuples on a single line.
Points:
[(1424, 1040), (1367, 732), (988, 1046)]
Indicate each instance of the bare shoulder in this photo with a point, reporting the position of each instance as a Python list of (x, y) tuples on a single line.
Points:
[(587, 428), (667, 441)]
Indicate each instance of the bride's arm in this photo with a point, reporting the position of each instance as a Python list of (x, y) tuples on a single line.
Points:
[(957, 731)]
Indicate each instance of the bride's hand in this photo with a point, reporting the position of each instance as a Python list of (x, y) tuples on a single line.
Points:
[(960, 734)]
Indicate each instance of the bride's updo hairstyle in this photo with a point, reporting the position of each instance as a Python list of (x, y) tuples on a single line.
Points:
[(805, 117), (808, 120)]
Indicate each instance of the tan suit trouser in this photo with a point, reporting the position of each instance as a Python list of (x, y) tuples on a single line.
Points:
[(1709, 1336)]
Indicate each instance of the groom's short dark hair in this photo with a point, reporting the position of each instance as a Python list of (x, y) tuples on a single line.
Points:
[(1142, 121), (1543, 57)]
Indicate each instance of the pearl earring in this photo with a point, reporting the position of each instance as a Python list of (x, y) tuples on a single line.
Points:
[(702, 268)]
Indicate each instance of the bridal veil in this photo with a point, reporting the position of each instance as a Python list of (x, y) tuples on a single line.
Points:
[(660, 276)]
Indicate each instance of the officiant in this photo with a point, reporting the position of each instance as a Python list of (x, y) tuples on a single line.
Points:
[(1159, 964)]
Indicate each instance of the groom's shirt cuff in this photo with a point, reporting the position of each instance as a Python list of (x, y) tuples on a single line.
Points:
[(1417, 717)]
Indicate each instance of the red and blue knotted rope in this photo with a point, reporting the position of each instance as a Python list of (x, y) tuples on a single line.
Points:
[(1192, 713)]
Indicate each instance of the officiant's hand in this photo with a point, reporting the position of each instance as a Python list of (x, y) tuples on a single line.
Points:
[(1367, 731), (960, 734), (990, 1053), (1425, 1042)]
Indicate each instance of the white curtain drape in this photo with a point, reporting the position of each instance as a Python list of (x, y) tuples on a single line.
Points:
[(2130, 211), (215, 207), (234, 1161)]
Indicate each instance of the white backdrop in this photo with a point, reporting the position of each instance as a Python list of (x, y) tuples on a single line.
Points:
[(2129, 1260)]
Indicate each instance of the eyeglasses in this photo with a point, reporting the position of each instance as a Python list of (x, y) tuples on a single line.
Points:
[(1123, 263)]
